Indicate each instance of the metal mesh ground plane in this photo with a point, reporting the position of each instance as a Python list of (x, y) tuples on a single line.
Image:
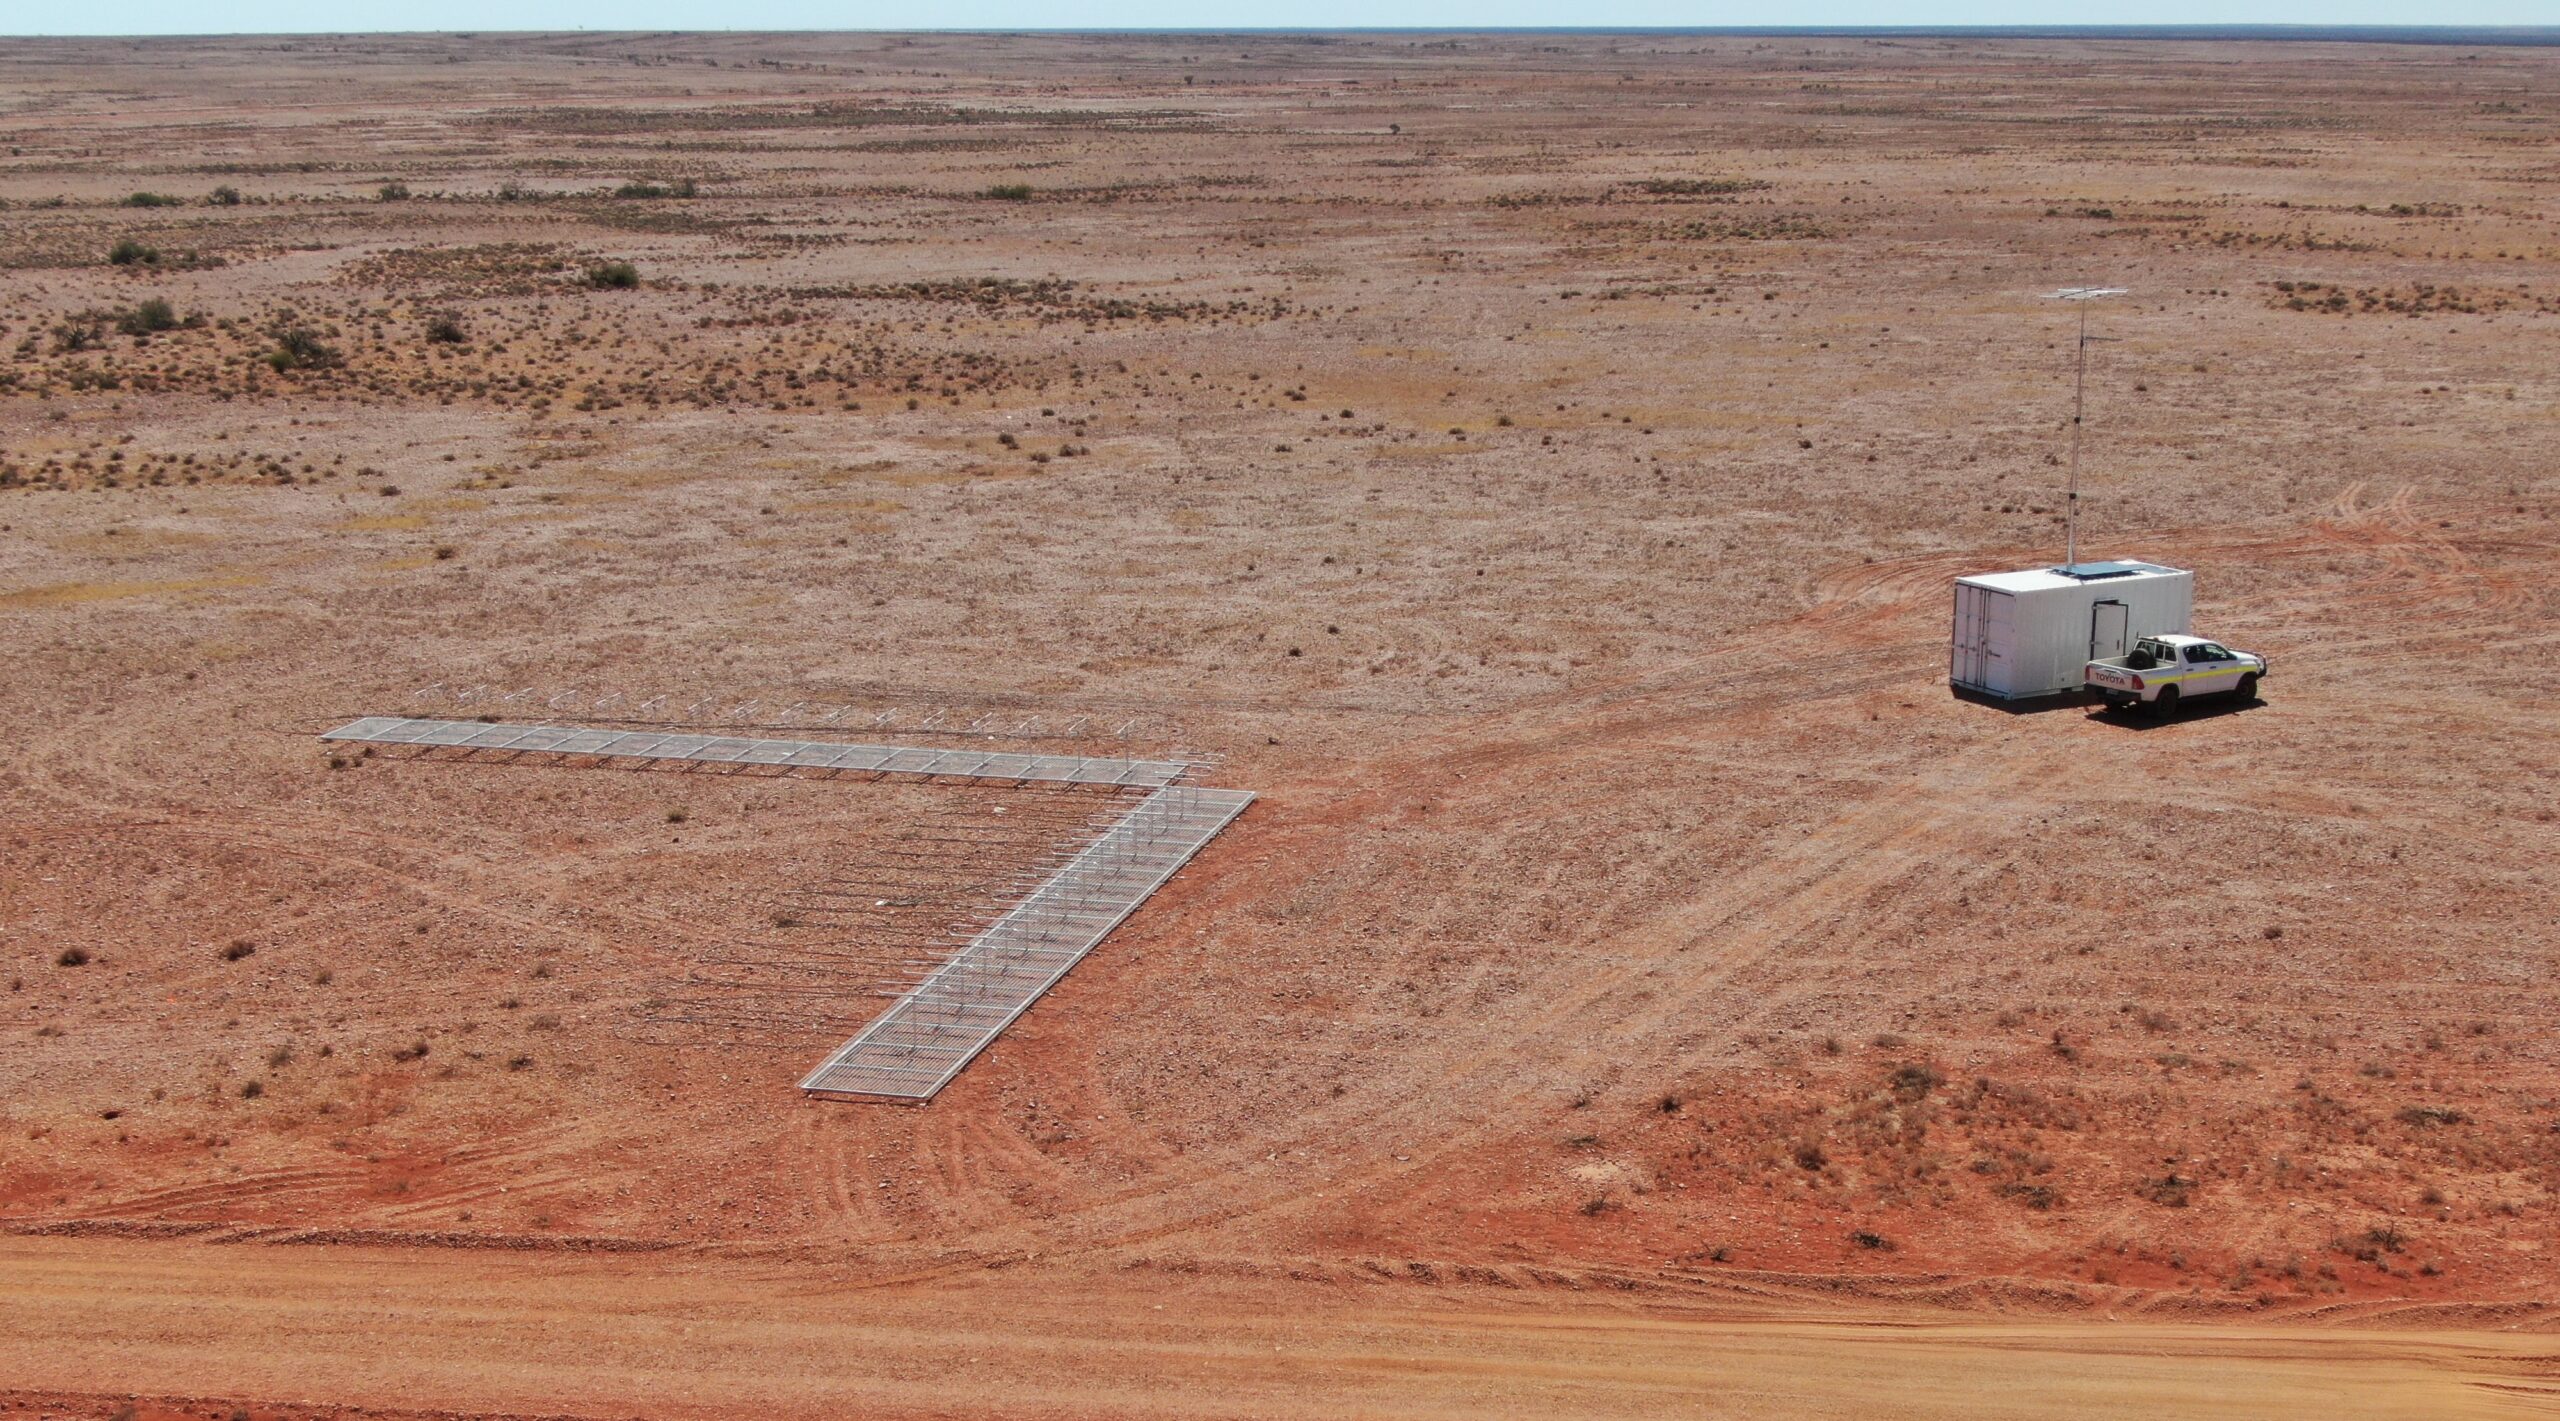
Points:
[(936, 1027)]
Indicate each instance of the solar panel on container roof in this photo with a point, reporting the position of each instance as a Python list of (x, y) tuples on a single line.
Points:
[(2092, 571)]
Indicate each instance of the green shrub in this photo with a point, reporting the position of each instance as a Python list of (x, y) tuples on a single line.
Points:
[(132, 253), (223, 196), (445, 328), (1010, 192), (642, 188), (392, 192), (152, 315), (154, 199), (613, 276)]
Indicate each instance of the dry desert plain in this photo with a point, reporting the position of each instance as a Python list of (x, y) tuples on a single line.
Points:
[(1535, 464)]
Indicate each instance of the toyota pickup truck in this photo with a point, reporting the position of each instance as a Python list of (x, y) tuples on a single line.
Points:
[(2161, 671)]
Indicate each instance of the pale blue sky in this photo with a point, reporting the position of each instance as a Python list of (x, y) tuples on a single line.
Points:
[(337, 16)]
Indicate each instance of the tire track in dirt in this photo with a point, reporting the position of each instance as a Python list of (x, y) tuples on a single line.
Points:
[(259, 1186), (1507, 1068), (1859, 852), (1860, 855), (516, 1158), (1762, 911)]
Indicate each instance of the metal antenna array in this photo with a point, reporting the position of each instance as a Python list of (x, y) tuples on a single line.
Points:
[(2081, 296), (731, 711), (937, 1027), (842, 946), (975, 982)]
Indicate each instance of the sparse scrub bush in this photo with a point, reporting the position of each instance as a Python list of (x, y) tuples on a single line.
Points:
[(223, 196), (392, 192), (300, 348), (1698, 187), (1915, 1081), (613, 276), (153, 199), (2169, 1191), (81, 332), (128, 252), (643, 188), (2039, 1197), (1010, 192), (72, 957), (151, 315)]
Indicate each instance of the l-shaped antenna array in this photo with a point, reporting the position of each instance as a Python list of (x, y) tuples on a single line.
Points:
[(933, 1029)]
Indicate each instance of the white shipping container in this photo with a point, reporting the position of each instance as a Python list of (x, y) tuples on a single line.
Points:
[(2020, 634)]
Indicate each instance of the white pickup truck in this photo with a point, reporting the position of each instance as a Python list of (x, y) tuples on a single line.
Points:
[(2161, 671)]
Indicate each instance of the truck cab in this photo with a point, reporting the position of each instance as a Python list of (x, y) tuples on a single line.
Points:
[(2164, 671)]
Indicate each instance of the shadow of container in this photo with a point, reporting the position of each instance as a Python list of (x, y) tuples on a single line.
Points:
[(2024, 705)]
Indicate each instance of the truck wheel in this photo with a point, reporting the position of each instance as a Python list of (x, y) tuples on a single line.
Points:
[(2249, 688), (2165, 705)]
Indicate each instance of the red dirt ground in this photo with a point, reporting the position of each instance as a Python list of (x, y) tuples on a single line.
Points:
[(1535, 465)]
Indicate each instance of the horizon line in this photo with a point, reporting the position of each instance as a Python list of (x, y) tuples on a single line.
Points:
[(2548, 34)]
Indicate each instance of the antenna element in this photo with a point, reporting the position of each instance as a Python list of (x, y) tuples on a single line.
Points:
[(2079, 399)]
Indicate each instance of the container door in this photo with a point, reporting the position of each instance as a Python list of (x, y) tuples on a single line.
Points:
[(2109, 627), (2000, 643), (1968, 644)]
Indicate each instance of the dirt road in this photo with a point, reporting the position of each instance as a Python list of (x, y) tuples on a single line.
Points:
[(85, 1322)]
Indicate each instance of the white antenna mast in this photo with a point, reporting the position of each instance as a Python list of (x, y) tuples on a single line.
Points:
[(2079, 399)]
